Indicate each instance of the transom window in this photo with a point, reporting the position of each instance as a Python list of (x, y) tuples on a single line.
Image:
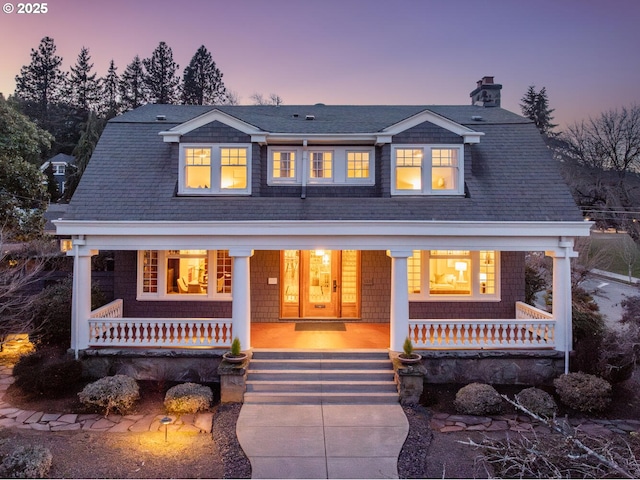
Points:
[(215, 169), (453, 274), (184, 275), (420, 170)]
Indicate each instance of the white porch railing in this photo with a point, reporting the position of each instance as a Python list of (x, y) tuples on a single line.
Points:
[(532, 328), (107, 328)]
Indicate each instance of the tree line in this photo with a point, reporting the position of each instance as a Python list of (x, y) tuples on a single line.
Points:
[(599, 158)]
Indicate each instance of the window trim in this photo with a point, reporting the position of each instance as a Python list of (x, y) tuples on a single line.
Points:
[(162, 295), (427, 169), (339, 166), (215, 187), (475, 295)]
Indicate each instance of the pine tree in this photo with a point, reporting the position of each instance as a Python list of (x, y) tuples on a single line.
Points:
[(160, 76), (110, 98), (535, 106), (132, 86), (91, 132), (40, 84), (84, 89), (202, 81)]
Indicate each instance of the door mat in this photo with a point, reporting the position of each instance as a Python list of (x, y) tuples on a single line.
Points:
[(321, 327)]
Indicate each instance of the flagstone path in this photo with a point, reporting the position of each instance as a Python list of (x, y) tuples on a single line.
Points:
[(93, 422)]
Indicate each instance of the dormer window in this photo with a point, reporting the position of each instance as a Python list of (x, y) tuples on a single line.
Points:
[(427, 170), (214, 169)]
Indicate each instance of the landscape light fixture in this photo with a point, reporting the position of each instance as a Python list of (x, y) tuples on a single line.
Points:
[(165, 421)]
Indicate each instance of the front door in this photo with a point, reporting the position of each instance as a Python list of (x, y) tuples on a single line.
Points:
[(320, 284)]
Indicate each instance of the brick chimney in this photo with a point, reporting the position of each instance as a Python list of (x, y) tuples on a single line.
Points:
[(487, 93)]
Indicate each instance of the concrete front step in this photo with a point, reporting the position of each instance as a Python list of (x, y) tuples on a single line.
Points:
[(318, 364), (320, 354), (324, 375), (295, 386), (299, 377), (312, 397)]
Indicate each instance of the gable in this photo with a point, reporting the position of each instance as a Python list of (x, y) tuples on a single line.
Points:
[(216, 132)]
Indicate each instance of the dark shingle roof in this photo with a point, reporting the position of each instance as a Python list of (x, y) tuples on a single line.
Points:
[(133, 174)]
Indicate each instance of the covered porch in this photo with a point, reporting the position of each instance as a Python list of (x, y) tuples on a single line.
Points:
[(525, 327)]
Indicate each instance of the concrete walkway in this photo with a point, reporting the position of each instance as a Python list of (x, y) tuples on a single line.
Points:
[(322, 440)]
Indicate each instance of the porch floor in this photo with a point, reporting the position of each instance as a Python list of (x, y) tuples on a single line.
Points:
[(322, 336)]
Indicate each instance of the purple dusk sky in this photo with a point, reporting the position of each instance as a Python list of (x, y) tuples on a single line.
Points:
[(585, 52)]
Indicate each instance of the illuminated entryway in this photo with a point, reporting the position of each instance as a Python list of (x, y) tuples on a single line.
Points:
[(320, 284)]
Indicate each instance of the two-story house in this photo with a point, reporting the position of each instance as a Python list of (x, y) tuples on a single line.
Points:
[(415, 217)]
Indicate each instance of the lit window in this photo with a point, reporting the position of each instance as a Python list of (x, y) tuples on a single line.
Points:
[(321, 165), (284, 165), (444, 168), (197, 170), (357, 164), (185, 275), (439, 173), (453, 274), (409, 169), (233, 173)]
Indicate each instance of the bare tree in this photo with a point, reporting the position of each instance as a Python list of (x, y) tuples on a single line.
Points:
[(608, 142), (629, 253), (21, 266), (273, 100)]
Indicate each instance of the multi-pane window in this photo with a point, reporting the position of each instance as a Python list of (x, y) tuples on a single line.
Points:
[(321, 165), (444, 168), (214, 169), (357, 164), (197, 167), (453, 274), (284, 164), (150, 271), (409, 169), (233, 168), (185, 274), (424, 170)]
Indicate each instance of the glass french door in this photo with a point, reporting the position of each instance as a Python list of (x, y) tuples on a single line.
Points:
[(320, 284)]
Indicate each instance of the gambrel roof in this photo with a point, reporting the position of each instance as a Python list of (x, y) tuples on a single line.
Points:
[(509, 172)]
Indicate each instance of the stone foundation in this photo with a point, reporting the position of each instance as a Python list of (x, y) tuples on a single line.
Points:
[(233, 380), (159, 364), (493, 367)]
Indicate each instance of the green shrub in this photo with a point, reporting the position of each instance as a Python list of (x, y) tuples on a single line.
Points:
[(45, 372), (583, 392), (118, 393), (478, 399), (537, 401), (188, 398), (235, 347), (407, 347), (32, 461), (52, 313)]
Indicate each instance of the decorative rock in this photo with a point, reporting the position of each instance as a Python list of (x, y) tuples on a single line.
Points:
[(24, 416), (451, 428), (204, 422), (66, 427), (103, 423), (68, 418), (143, 424), (8, 411), (40, 426), (122, 426), (50, 417)]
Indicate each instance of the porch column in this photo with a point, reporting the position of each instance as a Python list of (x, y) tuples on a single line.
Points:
[(81, 299), (241, 293), (399, 328), (561, 305)]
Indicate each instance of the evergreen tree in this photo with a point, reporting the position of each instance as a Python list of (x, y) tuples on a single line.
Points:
[(40, 84), (110, 97), (160, 76), (202, 81), (52, 184), (84, 89), (132, 86), (91, 132), (535, 106)]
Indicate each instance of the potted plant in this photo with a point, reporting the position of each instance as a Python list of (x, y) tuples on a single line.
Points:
[(408, 357), (235, 355)]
